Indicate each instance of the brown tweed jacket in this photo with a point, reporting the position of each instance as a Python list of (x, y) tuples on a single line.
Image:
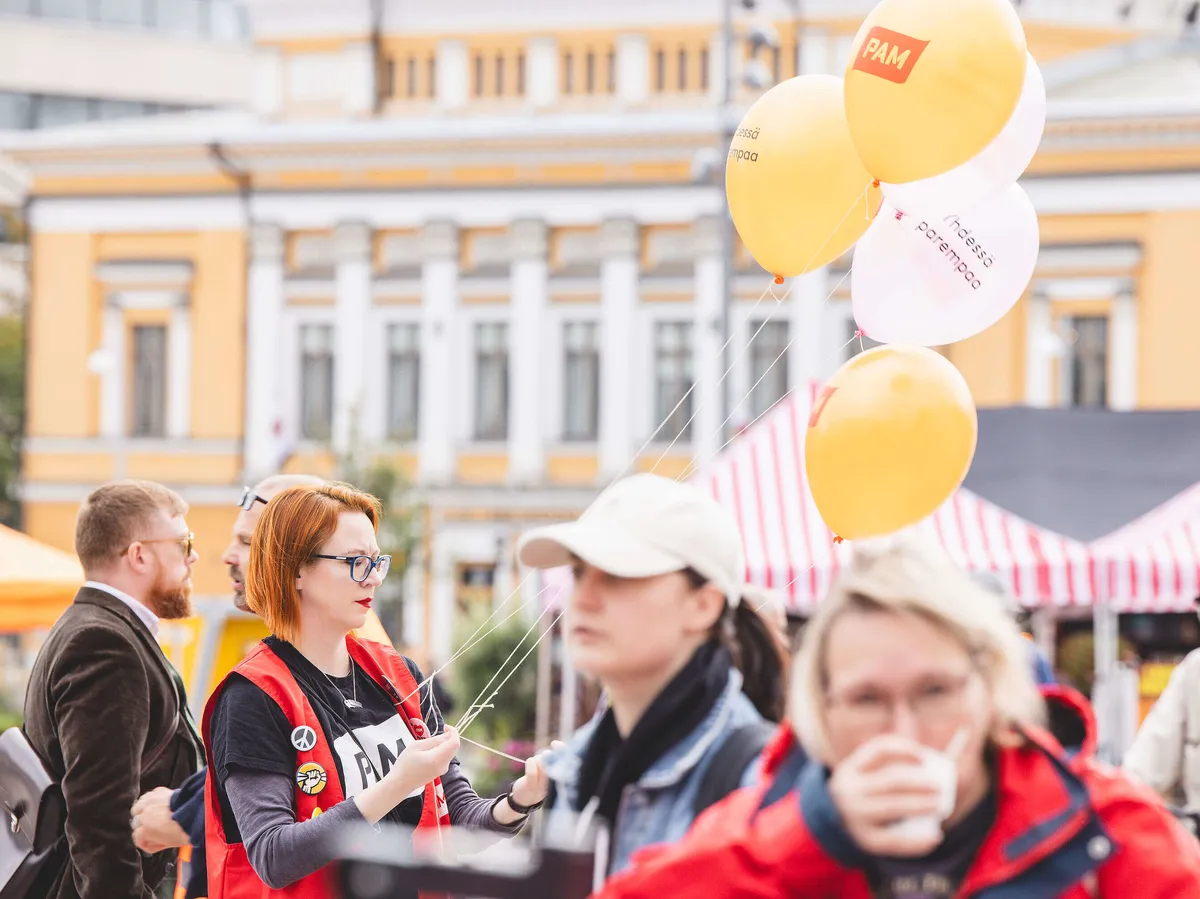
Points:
[(107, 713)]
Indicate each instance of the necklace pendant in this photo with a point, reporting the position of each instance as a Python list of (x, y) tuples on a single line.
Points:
[(353, 704)]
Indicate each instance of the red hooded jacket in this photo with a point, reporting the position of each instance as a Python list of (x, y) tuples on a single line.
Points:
[(1067, 827)]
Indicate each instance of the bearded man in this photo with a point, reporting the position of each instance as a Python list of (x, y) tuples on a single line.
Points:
[(104, 708)]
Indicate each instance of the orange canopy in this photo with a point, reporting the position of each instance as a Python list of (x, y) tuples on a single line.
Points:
[(37, 582)]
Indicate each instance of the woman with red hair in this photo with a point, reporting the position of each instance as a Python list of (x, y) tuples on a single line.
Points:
[(317, 730)]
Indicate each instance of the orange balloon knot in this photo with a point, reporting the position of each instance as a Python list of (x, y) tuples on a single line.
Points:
[(875, 183), (857, 334), (837, 540), (779, 279)]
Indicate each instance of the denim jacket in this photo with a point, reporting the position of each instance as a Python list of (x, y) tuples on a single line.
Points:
[(658, 808)]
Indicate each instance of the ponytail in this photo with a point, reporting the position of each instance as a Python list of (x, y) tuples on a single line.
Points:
[(759, 653)]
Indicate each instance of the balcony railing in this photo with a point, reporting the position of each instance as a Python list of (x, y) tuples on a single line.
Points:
[(223, 21)]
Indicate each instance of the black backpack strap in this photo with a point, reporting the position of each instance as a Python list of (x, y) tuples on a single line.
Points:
[(725, 769)]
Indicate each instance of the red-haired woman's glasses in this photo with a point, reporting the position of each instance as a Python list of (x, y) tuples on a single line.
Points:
[(362, 566)]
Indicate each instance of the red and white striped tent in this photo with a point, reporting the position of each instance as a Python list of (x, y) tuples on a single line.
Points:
[(789, 549), (1152, 564)]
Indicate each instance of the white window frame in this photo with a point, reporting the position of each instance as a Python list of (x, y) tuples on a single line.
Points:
[(462, 392), (294, 318), (555, 316), (374, 430), (643, 361)]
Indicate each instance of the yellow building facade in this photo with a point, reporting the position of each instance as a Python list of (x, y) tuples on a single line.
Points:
[(477, 245)]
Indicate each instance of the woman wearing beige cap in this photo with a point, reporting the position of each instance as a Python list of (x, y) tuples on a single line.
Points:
[(693, 675)]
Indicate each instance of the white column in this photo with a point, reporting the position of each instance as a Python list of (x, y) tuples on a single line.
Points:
[(358, 60), (619, 297), (541, 75), (439, 299), (707, 338), (353, 245), (264, 313), (112, 370), (633, 69), (443, 607), (716, 68), (453, 74), (1123, 352), (1039, 342), (530, 294), (814, 49), (268, 81), (808, 354), (179, 369)]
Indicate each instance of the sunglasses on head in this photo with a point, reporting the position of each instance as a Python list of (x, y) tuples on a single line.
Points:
[(249, 498)]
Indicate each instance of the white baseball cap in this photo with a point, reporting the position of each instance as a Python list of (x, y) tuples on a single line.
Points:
[(644, 526)]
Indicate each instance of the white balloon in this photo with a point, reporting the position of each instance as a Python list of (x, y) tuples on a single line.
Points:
[(937, 281), (997, 166)]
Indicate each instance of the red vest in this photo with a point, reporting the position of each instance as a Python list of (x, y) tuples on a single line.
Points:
[(230, 875)]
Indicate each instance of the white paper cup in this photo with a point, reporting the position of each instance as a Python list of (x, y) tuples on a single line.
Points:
[(941, 769)]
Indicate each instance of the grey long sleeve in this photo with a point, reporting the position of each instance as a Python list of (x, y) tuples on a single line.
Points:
[(469, 809), (281, 849)]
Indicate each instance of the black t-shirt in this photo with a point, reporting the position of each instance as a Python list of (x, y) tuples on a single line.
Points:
[(939, 874), (250, 731)]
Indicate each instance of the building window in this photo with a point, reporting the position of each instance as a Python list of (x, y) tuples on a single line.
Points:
[(404, 381), (581, 381), (316, 381), (431, 68), (389, 78), (149, 381), (660, 71), (704, 68), (768, 365), (411, 87), (611, 70), (476, 583), (491, 381), (520, 74), (478, 75), (1087, 364), (590, 72), (568, 64), (683, 67), (673, 379), (499, 75)]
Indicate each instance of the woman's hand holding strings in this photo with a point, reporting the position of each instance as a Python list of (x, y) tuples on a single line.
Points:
[(419, 763)]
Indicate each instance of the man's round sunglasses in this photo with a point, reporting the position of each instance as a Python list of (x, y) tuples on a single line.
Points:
[(361, 566), (249, 498)]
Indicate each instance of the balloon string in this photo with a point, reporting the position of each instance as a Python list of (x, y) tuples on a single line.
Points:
[(503, 755), (788, 586)]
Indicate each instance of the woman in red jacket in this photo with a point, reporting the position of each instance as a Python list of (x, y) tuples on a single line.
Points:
[(934, 777), (316, 731)]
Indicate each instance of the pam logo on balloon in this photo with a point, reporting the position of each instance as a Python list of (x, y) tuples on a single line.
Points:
[(889, 54)]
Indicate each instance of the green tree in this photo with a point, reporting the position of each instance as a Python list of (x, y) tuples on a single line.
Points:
[(399, 531), (510, 724), (12, 405)]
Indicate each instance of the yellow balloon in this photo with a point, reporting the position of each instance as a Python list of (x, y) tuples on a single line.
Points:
[(890, 438), (798, 193), (930, 83)]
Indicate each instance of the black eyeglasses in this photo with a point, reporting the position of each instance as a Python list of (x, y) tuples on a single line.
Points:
[(361, 566), (249, 498)]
